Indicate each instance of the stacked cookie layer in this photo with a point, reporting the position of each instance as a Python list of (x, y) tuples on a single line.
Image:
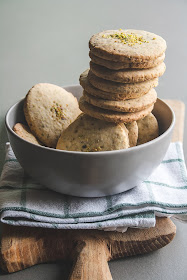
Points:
[(124, 69)]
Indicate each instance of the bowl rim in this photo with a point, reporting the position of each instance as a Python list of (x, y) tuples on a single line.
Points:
[(131, 149)]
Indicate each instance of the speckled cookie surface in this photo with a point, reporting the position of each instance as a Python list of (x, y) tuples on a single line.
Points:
[(84, 81), (122, 65), (147, 129), (112, 116), (88, 134), (24, 132), (127, 45), (128, 75), (133, 133), (131, 105), (132, 90), (49, 109)]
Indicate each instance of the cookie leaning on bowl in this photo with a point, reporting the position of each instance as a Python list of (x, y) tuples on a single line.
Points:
[(88, 134), (133, 133), (148, 129), (49, 109), (24, 132)]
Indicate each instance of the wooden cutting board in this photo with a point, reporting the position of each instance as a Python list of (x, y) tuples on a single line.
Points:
[(90, 250)]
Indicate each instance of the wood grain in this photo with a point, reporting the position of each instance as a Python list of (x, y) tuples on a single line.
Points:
[(90, 250)]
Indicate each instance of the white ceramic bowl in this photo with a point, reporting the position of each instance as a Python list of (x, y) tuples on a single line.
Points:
[(91, 174)]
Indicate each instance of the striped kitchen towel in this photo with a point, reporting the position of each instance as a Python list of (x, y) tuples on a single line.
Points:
[(25, 202)]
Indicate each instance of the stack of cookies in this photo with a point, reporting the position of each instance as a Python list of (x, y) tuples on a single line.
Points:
[(124, 69)]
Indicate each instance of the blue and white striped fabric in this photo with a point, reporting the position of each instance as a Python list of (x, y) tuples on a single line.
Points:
[(24, 202)]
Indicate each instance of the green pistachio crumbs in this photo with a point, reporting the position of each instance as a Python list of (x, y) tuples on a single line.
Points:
[(58, 110), (125, 38)]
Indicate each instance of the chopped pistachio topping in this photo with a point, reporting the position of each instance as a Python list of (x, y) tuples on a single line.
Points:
[(58, 111), (126, 38)]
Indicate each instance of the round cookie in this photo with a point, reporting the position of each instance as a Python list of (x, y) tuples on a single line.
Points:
[(147, 129), (133, 133), (112, 116), (132, 90), (128, 75), (131, 105), (114, 65), (84, 81), (24, 132), (128, 45), (88, 134), (49, 109)]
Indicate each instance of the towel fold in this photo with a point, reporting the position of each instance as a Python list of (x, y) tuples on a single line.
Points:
[(25, 202)]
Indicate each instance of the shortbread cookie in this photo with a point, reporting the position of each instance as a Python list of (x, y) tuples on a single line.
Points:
[(112, 116), (130, 46), (104, 94), (131, 105), (132, 90), (114, 65), (147, 129), (88, 134), (128, 75), (24, 132), (49, 109), (133, 133)]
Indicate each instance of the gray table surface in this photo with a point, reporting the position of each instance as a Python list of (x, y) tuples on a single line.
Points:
[(47, 41)]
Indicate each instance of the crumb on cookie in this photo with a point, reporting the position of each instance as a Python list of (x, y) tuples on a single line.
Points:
[(58, 110), (125, 38)]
